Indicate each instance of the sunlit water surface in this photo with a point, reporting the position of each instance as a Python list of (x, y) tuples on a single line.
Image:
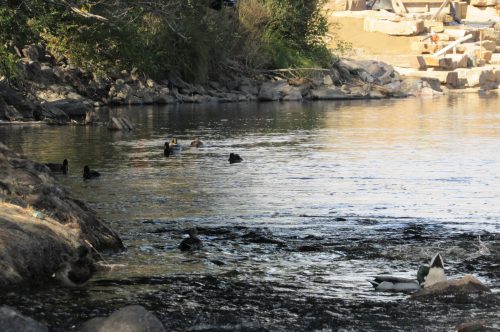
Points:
[(328, 195)]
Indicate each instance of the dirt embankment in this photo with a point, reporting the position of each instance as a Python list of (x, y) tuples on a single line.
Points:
[(40, 220)]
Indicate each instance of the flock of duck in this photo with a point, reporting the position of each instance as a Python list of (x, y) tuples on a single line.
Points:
[(172, 148), (76, 271)]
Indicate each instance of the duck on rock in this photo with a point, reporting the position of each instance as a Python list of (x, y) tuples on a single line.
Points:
[(192, 242), (89, 174), (426, 276), (234, 158), (58, 167), (76, 271)]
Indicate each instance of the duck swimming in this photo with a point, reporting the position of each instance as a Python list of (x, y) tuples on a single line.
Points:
[(234, 158), (75, 272), (58, 167), (196, 143), (88, 174), (192, 242), (426, 276), (166, 149), (174, 147)]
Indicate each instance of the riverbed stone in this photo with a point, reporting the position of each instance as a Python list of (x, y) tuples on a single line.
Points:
[(133, 318), (12, 320)]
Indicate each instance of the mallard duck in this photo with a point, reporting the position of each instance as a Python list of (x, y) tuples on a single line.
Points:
[(426, 276), (88, 174), (192, 242), (234, 158), (166, 149), (196, 143), (59, 167), (435, 273), (75, 272), (174, 147)]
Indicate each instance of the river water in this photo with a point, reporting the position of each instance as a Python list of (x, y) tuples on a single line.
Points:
[(328, 195)]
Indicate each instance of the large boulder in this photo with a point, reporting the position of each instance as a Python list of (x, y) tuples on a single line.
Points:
[(133, 318), (40, 220), (53, 114), (9, 112), (72, 107), (272, 91), (11, 97), (12, 320)]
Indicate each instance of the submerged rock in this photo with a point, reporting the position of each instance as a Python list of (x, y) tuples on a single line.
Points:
[(13, 321), (133, 318), (30, 247)]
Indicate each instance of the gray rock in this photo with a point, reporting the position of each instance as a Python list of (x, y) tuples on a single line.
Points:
[(272, 91), (9, 112), (366, 77), (328, 93), (72, 107), (31, 52), (375, 94), (68, 222), (133, 318), (22, 105), (12, 320), (327, 80), (250, 89), (54, 114)]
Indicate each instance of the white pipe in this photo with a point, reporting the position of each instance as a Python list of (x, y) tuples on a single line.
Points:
[(455, 43)]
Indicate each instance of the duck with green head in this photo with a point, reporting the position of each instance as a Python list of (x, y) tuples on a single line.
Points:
[(426, 276), (174, 147)]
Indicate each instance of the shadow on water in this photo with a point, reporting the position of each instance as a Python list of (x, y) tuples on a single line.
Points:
[(328, 195)]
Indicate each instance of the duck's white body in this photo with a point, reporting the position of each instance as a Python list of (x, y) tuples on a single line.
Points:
[(436, 271), (390, 283), (175, 148)]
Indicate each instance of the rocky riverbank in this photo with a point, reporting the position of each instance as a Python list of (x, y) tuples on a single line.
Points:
[(40, 221), (54, 91)]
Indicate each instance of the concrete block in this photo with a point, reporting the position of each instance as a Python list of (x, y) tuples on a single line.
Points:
[(460, 9), (477, 77), (481, 14), (433, 26), (484, 3), (401, 28), (489, 45), (495, 59)]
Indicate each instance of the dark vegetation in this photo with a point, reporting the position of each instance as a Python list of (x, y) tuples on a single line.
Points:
[(196, 40)]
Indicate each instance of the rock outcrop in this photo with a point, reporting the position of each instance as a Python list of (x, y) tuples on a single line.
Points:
[(40, 220), (13, 321), (133, 318)]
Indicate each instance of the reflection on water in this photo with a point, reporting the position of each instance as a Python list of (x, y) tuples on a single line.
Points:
[(328, 194)]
